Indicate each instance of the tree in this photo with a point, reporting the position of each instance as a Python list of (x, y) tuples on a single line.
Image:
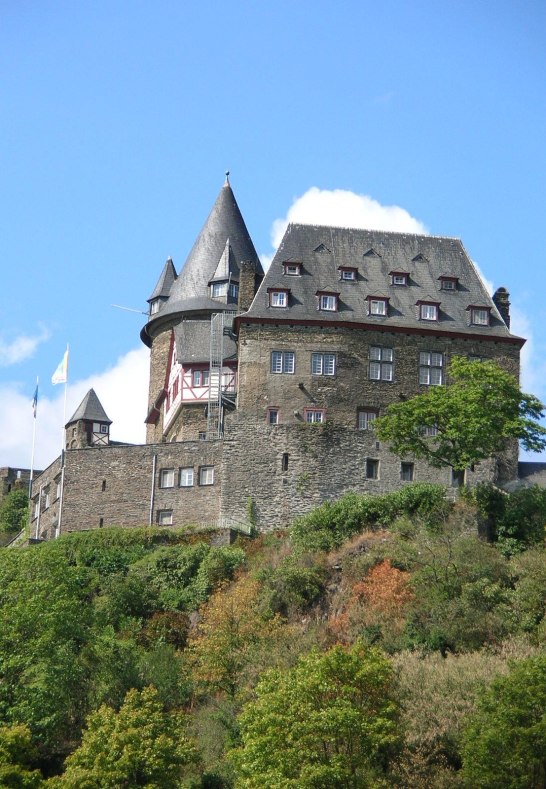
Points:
[(14, 511), (505, 742), (16, 755), (474, 417), (328, 722), (140, 745)]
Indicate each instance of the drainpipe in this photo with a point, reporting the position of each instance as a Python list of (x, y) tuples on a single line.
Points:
[(58, 529), (39, 511)]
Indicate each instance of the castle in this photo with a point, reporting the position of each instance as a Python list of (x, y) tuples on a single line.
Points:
[(264, 386)]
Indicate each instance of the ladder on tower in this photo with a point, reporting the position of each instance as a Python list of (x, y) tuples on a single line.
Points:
[(219, 320)]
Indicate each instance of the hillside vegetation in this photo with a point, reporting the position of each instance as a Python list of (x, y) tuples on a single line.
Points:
[(380, 641)]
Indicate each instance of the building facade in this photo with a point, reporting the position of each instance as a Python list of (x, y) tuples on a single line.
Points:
[(264, 386)]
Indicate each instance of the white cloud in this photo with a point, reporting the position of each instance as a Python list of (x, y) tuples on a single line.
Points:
[(20, 348), (122, 390), (342, 208)]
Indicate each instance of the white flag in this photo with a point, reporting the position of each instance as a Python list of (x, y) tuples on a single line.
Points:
[(60, 376)]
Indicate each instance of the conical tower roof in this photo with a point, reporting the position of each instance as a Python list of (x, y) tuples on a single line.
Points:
[(165, 281), (222, 244), (89, 409)]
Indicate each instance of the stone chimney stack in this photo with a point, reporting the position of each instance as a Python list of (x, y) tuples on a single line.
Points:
[(501, 299), (249, 280)]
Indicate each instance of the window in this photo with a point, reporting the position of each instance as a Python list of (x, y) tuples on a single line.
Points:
[(278, 298), (327, 301), (428, 312), (284, 462), (201, 377), (347, 274), (104, 428), (323, 364), (457, 478), (36, 508), (479, 316), (206, 475), (399, 278), (58, 491), (273, 416), (166, 478), (292, 269), (165, 517), (186, 477), (366, 419), (377, 306), (233, 290), (103, 485), (314, 415), (218, 289), (448, 283), (46, 503), (202, 435), (372, 469), (406, 472), (283, 361), (429, 431), (381, 364), (154, 306), (431, 370)]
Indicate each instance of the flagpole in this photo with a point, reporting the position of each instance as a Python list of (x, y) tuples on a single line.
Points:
[(64, 405), (58, 529), (35, 406)]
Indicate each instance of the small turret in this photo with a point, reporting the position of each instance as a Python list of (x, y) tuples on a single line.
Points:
[(89, 426), (501, 299), (163, 287)]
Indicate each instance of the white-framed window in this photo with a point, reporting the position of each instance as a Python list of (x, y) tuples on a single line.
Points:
[(292, 269), (233, 290), (104, 428), (431, 368), (278, 298), (206, 475), (165, 517), (166, 478), (347, 274), (46, 499), (381, 366), (448, 283), (314, 415), (428, 312), (406, 472), (479, 316), (186, 477), (365, 418), (377, 306), (283, 361), (429, 431), (323, 363), (201, 377), (372, 468), (154, 306), (58, 490), (328, 302), (218, 289), (399, 278), (273, 416), (36, 508)]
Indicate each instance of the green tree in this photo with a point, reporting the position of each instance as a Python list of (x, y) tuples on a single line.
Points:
[(328, 722), (481, 409), (140, 745), (505, 742), (14, 511), (16, 755)]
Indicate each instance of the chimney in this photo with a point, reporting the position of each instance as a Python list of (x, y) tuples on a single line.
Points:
[(501, 300), (248, 284)]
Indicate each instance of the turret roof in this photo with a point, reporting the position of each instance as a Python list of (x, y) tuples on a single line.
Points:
[(165, 281), (89, 409)]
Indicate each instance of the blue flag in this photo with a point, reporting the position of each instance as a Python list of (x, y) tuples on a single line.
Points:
[(35, 401)]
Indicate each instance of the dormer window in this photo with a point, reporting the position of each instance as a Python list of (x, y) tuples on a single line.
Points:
[(233, 290), (347, 273), (448, 283), (327, 301), (219, 289), (278, 297), (154, 306), (399, 278), (378, 306), (292, 269), (428, 310), (479, 316)]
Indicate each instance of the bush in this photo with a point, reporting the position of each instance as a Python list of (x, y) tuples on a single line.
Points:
[(329, 525), (291, 587), (14, 511), (514, 520)]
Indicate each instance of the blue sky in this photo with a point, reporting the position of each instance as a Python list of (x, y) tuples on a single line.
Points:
[(119, 119)]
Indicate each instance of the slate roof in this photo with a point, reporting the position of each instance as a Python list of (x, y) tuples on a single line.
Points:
[(227, 268), (165, 281), (322, 250), (192, 340), (89, 409)]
